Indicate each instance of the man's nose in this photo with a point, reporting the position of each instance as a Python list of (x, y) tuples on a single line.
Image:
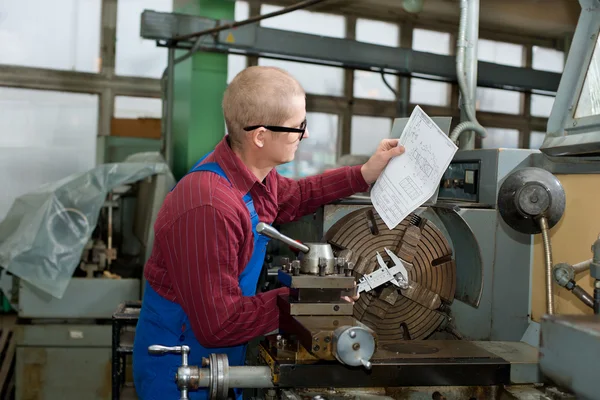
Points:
[(306, 134)]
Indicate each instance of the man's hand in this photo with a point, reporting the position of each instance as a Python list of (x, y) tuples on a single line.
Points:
[(387, 149), (352, 299)]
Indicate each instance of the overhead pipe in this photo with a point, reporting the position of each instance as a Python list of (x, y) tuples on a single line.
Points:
[(469, 22)]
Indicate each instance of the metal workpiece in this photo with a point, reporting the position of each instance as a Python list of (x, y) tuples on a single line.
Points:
[(569, 348), (529, 194), (353, 346)]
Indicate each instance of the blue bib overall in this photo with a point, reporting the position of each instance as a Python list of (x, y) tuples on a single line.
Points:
[(165, 323)]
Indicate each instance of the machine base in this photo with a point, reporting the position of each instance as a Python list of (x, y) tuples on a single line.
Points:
[(410, 364)]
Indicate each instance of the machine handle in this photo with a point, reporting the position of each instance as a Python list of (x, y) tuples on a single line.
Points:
[(268, 230), (157, 349)]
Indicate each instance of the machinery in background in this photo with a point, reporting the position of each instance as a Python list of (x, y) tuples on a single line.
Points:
[(77, 251)]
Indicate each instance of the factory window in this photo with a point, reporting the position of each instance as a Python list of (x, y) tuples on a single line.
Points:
[(500, 52), (536, 139), (62, 35), (235, 65), (377, 32), (424, 91), (367, 132), (41, 127), (498, 100), (315, 79), (318, 152), (541, 105), (136, 56), (431, 41), (369, 84), (500, 138), (303, 21), (137, 107), (235, 62), (546, 59)]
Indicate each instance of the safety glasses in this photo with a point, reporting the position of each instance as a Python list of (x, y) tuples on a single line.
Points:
[(274, 128)]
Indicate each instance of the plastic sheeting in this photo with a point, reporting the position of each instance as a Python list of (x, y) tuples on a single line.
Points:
[(44, 232)]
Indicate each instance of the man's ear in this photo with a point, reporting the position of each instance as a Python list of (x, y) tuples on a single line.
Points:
[(258, 137)]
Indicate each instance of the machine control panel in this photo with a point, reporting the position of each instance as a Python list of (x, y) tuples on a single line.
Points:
[(461, 182)]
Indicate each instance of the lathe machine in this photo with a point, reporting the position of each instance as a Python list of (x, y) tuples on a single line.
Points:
[(480, 295)]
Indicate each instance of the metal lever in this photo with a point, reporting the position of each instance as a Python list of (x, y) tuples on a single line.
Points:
[(184, 350), (268, 230)]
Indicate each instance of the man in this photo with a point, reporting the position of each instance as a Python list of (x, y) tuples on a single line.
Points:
[(207, 257)]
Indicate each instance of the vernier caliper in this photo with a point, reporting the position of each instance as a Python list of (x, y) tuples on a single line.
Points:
[(397, 274)]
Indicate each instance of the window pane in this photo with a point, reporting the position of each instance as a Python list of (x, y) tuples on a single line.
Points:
[(236, 63), (137, 107), (423, 91), (431, 41), (305, 22), (370, 85), (500, 52), (377, 32), (367, 132), (315, 79), (589, 99), (541, 105), (548, 59), (536, 139), (318, 152), (61, 34), (46, 137), (498, 100), (136, 56), (500, 138)]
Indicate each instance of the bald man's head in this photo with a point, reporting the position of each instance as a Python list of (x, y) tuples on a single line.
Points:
[(259, 96)]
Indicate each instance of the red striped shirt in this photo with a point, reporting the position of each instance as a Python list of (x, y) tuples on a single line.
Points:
[(203, 241)]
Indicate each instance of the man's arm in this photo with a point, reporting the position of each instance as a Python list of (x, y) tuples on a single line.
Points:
[(201, 253), (301, 197)]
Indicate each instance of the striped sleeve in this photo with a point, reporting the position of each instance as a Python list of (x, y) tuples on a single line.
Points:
[(297, 198), (201, 252)]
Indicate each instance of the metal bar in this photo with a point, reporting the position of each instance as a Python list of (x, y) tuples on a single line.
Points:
[(170, 99), (293, 46), (467, 140), (344, 143), (78, 82), (431, 22), (582, 266)]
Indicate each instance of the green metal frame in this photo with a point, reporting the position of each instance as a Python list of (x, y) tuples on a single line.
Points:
[(200, 81)]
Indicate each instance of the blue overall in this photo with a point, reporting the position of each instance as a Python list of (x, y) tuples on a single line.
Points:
[(165, 323)]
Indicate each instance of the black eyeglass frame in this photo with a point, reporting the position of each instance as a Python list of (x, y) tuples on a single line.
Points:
[(275, 128)]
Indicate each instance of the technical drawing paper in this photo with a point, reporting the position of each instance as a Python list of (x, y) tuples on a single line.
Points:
[(411, 179)]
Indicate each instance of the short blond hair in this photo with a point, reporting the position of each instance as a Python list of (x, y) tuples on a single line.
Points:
[(258, 95)]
